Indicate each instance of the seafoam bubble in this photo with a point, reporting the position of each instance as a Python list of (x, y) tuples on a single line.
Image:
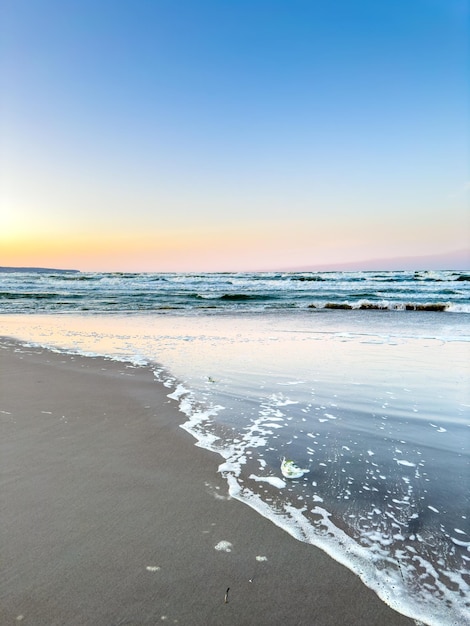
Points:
[(279, 399), (224, 546), (405, 463), (272, 480)]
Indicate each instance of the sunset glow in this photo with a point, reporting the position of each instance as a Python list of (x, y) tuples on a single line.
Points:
[(220, 136)]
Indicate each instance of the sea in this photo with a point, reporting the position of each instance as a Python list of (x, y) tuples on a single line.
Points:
[(361, 378)]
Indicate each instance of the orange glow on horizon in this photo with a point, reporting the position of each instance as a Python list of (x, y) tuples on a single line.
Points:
[(264, 246), (171, 250)]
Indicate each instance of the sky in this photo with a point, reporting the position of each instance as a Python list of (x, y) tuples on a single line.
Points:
[(232, 135)]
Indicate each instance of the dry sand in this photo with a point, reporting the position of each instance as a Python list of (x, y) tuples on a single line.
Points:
[(111, 515)]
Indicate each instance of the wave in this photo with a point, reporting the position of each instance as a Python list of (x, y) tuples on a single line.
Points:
[(383, 306), (74, 277), (75, 303), (236, 297), (308, 278), (245, 296), (38, 296)]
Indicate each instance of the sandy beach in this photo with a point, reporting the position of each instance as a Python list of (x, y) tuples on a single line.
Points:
[(111, 515)]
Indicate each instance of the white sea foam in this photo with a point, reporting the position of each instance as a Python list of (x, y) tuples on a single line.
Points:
[(459, 542), (272, 480), (405, 463), (223, 546)]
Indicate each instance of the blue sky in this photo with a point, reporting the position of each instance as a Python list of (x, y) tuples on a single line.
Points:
[(232, 134)]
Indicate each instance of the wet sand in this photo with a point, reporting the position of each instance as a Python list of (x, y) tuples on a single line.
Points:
[(110, 515)]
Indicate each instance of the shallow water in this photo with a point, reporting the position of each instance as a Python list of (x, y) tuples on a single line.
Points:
[(375, 405)]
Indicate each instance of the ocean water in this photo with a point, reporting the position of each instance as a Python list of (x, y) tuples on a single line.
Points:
[(373, 401), (33, 292)]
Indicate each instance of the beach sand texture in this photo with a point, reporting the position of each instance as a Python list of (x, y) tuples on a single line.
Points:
[(111, 515)]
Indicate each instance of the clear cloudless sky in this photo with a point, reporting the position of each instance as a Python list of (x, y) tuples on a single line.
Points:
[(189, 135)]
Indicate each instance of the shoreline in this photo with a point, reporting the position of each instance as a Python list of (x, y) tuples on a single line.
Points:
[(112, 514)]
